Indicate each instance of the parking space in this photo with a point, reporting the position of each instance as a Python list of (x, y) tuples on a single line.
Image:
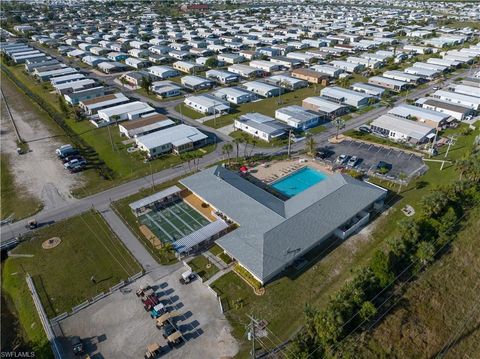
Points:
[(119, 327), (370, 155)]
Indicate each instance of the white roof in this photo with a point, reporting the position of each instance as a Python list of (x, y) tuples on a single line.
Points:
[(177, 135), (119, 97), (131, 107), (323, 104), (405, 111), (406, 127)]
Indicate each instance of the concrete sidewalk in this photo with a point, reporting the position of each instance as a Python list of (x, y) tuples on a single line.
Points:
[(215, 260), (129, 240)]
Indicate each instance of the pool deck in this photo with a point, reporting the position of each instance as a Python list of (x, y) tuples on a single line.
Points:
[(272, 171)]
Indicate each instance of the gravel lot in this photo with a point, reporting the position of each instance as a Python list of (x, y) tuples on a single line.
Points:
[(39, 171), (118, 326)]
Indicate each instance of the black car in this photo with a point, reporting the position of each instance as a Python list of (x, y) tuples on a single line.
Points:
[(384, 167), (324, 153)]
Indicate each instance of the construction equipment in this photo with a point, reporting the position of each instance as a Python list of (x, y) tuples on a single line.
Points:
[(141, 292), (174, 338), (77, 345)]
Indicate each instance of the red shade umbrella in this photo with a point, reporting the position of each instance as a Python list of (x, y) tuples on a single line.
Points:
[(244, 169)]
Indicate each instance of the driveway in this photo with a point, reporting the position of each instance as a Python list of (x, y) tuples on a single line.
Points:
[(118, 326)]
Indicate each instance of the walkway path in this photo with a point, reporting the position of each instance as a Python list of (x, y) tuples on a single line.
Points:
[(217, 275), (215, 260), (142, 255)]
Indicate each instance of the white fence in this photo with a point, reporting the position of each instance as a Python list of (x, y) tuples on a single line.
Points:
[(43, 318)]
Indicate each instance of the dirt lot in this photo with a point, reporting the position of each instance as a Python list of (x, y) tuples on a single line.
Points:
[(39, 170), (118, 326)]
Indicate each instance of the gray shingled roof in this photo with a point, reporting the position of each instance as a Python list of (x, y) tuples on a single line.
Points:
[(271, 231)]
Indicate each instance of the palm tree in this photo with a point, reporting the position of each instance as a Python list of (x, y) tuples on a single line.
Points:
[(237, 141), (167, 248), (310, 145), (387, 101), (338, 123), (226, 149), (343, 82), (253, 142)]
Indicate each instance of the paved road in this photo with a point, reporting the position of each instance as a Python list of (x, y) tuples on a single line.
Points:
[(102, 200)]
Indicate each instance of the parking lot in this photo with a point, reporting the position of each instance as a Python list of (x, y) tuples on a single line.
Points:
[(119, 327), (370, 155)]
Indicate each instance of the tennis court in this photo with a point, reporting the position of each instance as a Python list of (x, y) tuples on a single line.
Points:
[(173, 222)]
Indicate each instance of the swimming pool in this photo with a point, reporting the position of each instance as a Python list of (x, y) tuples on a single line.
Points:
[(298, 181)]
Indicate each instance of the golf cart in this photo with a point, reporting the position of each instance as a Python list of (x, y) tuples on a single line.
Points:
[(32, 224), (150, 302), (153, 350), (77, 345), (157, 310), (174, 338), (164, 319), (144, 291), (187, 277)]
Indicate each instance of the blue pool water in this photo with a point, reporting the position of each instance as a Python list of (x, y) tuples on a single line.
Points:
[(298, 181)]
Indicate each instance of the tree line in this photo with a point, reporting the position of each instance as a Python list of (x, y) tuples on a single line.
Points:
[(377, 287)]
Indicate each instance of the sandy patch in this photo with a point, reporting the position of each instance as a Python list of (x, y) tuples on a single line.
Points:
[(39, 171)]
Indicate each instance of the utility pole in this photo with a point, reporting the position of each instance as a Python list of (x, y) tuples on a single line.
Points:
[(451, 142), (289, 142), (251, 334), (151, 174), (110, 135)]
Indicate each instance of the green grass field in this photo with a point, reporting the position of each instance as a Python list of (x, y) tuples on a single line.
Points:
[(327, 273), (266, 106), (203, 267), (14, 201), (188, 112), (62, 274)]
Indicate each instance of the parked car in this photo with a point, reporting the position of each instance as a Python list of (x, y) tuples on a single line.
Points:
[(150, 302), (365, 129), (187, 277), (77, 345), (352, 162), (66, 150), (324, 153), (157, 310), (341, 159), (71, 158), (77, 162), (383, 167)]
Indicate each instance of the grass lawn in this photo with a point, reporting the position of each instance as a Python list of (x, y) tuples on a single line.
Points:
[(14, 200), (224, 257), (188, 112), (122, 208), (62, 274), (216, 250), (258, 142), (41, 89), (266, 106), (327, 273), (154, 97), (203, 267), (316, 130)]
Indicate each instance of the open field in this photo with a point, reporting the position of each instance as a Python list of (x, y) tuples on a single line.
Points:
[(15, 200), (329, 267), (424, 326), (63, 275), (266, 106)]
